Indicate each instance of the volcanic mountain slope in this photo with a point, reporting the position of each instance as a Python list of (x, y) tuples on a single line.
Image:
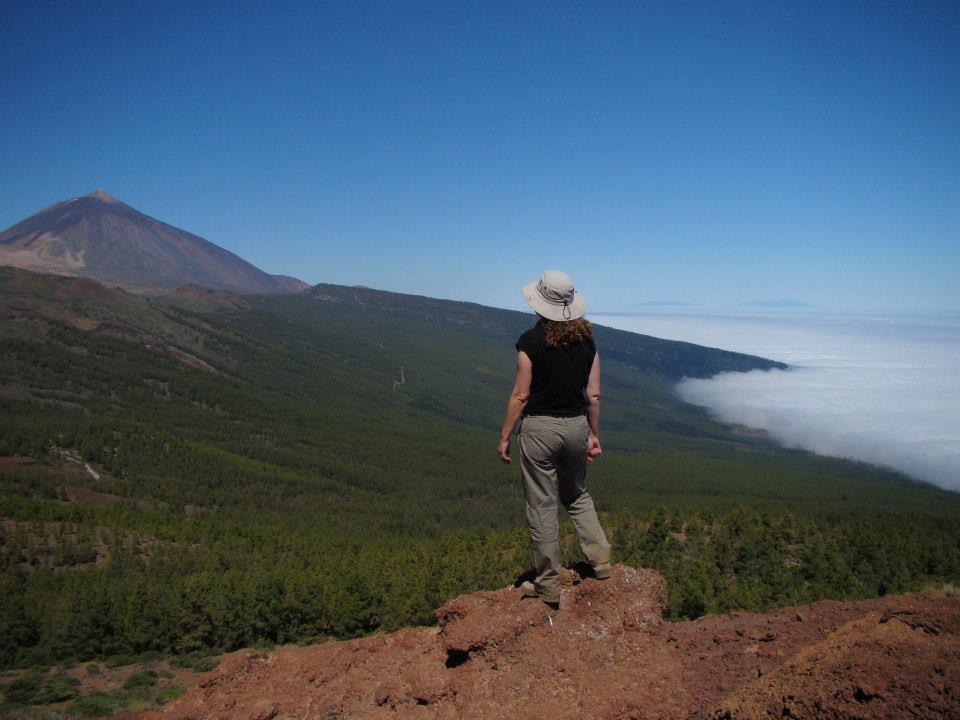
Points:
[(671, 359), (98, 236), (607, 654)]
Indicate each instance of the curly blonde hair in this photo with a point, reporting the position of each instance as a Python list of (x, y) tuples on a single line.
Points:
[(564, 334)]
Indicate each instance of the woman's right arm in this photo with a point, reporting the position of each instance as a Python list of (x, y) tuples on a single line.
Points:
[(516, 403), (593, 409)]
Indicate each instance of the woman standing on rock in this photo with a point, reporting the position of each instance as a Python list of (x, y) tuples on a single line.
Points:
[(556, 399)]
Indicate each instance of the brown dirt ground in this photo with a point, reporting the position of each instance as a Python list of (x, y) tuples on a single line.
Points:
[(607, 654)]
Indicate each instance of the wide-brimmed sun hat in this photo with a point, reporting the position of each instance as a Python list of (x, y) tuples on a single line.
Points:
[(554, 297)]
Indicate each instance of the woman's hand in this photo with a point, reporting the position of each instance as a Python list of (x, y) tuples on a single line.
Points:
[(593, 447), (503, 450)]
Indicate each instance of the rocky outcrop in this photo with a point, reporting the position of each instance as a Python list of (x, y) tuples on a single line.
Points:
[(194, 297), (607, 653)]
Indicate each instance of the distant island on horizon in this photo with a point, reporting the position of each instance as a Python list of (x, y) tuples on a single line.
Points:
[(781, 303), (785, 303), (662, 303)]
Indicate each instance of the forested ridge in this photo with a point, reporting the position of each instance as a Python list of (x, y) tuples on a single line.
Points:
[(178, 477)]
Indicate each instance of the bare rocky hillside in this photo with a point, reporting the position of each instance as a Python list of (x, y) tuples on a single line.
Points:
[(99, 237)]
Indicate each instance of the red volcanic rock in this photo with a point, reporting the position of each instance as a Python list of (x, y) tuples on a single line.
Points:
[(607, 654), (886, 664)]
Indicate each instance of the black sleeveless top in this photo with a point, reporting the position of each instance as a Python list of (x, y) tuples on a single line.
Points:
[(560, 375)]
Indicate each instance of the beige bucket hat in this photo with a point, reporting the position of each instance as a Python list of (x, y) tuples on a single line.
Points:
[(554, 297)]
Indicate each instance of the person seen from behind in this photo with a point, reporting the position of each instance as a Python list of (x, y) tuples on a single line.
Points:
[(556, 401)]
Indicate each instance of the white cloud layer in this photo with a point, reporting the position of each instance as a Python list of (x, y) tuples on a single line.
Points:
[(884, 387)]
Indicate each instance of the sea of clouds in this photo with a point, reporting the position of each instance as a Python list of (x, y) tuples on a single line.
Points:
[(883, 387)]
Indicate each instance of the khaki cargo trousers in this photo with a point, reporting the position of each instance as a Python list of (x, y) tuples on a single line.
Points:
[(553, 462)]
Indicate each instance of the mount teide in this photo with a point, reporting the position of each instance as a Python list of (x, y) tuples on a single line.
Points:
[(98, 236)]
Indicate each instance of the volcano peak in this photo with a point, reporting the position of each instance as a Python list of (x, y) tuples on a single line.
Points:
[(101, 194)]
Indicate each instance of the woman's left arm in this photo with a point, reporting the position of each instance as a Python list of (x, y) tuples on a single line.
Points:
[(516, 404)]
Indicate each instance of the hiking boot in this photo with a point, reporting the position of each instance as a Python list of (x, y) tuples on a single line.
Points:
[(601, 571), (528, 590)]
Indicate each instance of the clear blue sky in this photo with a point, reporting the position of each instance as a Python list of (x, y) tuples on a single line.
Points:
[(711, 152)]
